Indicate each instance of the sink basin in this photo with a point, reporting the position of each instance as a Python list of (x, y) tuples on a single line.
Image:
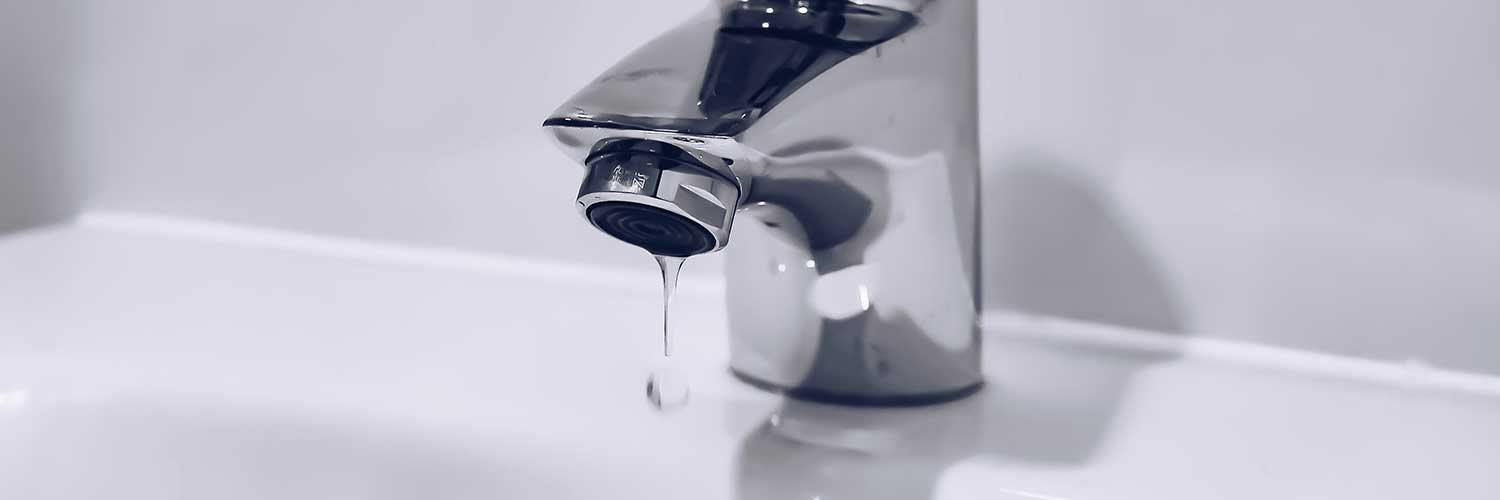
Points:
[(191, 363), (161, 450)]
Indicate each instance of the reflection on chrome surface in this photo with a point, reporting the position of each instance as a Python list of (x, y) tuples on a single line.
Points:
[(841, 138)]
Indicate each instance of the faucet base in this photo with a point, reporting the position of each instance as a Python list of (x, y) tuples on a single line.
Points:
[(841, 399)]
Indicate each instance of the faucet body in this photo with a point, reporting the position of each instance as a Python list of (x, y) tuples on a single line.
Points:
[(836, 141)]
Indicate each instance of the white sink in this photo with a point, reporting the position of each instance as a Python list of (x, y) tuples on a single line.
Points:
[(244, 365), (165, 450)]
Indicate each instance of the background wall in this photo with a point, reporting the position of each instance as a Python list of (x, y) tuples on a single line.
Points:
[(366, 118), (1315, 173), (1318, 174)]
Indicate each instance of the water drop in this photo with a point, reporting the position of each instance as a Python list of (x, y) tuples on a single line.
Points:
[(667, 389)]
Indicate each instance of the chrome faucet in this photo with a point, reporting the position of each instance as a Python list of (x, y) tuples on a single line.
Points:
[(836, 141)]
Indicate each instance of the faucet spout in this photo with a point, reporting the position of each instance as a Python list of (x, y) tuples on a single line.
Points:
[(836, 142)]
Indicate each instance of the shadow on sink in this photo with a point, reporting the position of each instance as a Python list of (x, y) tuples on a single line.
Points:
[(1049, 404), (1054, 247)]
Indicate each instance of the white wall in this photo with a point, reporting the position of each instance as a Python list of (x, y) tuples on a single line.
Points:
[(1313, 173), (383, 119)]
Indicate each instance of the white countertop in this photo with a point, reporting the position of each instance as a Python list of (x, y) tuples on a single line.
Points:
[(162, 364)]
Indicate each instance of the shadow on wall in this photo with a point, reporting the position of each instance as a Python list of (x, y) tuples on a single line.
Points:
[(1054, 246), (37, 184)]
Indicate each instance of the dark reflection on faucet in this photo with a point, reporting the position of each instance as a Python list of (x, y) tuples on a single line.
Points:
[(866, 351), (829, 210), (879, 351)]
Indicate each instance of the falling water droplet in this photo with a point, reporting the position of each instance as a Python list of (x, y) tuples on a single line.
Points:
[(667, 389)]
